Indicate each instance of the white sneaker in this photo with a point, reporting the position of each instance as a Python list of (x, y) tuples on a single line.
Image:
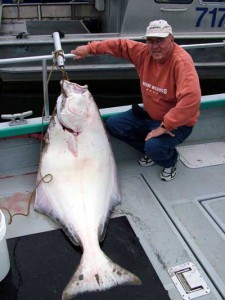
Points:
[(168, 174), (145, 161)]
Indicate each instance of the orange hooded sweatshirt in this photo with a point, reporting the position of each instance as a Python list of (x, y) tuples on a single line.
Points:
[(170, 91)]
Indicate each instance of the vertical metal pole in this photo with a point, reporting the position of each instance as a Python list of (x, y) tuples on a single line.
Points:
[(99, 5), (58, 48), (39, 11), (45, 89)]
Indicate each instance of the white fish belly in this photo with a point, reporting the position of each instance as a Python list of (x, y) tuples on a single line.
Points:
[(83, 188)]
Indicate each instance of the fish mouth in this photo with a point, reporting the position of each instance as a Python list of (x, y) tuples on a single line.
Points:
[(70, 87)]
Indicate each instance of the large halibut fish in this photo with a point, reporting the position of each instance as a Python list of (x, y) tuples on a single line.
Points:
[(82, 187)]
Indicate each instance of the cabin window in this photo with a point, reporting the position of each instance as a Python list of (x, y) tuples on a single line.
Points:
[(174, 1)]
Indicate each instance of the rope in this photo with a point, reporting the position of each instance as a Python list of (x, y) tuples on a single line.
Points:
[(65, 77)]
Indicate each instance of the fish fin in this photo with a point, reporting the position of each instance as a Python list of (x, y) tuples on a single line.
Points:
[(71, 233), (42, 204), (115, 190), (97, 274), (102, 230), (115, 200)]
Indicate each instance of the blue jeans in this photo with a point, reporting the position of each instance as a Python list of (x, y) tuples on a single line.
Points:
[(133, 129)]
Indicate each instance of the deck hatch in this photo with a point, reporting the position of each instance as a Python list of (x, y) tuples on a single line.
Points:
[(188, 281), (203, 155)]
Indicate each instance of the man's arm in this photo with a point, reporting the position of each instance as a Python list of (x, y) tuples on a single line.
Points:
[(123, 48)]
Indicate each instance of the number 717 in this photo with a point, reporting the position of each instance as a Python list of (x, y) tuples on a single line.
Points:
[(214, 12)]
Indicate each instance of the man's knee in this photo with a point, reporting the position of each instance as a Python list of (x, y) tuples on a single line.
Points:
[(113, 126), (154, 148)]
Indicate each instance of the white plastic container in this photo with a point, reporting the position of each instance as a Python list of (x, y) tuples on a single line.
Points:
[(4, 254)]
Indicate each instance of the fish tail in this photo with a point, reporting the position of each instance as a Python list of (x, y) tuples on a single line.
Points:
[(97, 274)]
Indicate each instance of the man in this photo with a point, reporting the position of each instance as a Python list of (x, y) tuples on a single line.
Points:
[(170, 91)]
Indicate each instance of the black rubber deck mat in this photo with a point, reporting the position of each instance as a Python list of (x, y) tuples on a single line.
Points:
[(42, 264)]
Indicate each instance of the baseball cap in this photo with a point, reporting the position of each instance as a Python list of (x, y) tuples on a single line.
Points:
[(158, 28)]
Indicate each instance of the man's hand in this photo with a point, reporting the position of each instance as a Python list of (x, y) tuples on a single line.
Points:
[(157, 132), (80, 52)]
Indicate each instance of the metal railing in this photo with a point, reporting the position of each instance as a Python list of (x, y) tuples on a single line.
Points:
[(60, 62), (59, 59)]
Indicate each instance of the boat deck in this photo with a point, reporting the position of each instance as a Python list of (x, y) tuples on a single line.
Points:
[(176, 222)]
